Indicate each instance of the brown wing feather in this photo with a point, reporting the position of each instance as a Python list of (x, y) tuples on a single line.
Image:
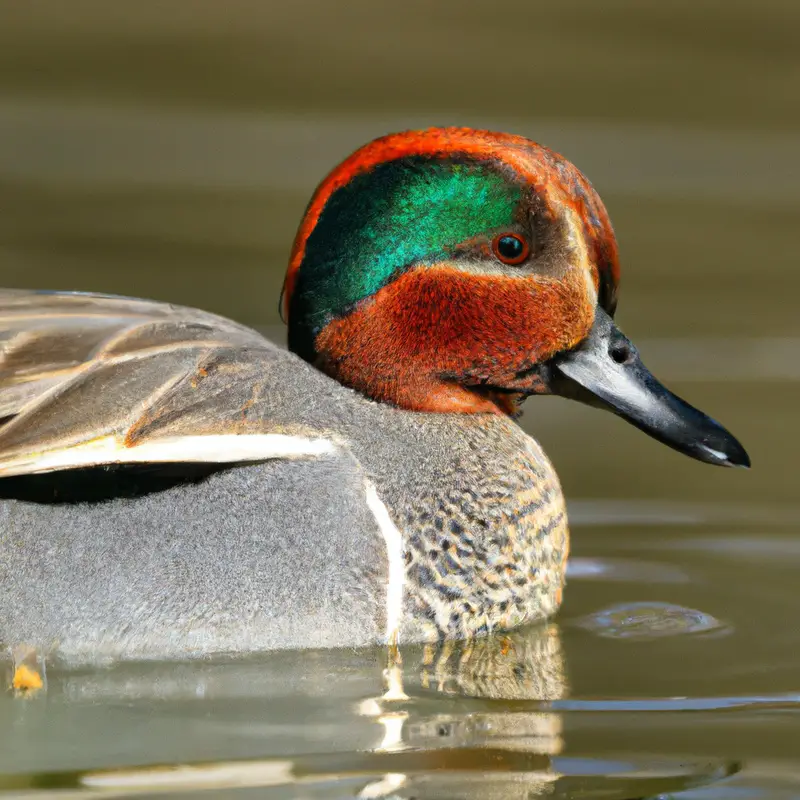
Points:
[(80, 368)]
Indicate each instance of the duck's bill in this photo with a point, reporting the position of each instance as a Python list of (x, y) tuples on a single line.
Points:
[(605, 371)]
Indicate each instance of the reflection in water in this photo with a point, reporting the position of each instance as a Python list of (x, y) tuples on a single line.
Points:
[(515, 666), (518, 665), (441, 732)]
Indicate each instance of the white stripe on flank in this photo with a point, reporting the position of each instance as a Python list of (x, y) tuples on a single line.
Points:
[(211, 449), (394, 552)]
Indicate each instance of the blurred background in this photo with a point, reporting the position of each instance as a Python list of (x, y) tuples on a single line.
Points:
[(167, 150)]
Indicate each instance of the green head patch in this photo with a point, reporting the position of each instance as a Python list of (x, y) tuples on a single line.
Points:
[(402, 213)]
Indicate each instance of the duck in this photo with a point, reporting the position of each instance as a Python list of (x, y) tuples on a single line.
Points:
[(174, 485)]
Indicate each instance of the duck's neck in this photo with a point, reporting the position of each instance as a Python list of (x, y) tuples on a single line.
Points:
[(368, 361), (414, 390)]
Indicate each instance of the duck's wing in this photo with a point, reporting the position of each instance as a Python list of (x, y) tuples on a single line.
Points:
[(89, 380)]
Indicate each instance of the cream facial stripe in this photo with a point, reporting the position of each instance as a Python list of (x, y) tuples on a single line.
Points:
[(578, 245)]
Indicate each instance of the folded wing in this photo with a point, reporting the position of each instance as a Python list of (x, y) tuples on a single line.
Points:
[(88, 380)]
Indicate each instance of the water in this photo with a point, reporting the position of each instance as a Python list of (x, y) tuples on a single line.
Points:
[(149, 150)]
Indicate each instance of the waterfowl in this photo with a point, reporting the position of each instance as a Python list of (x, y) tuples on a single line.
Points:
[(172, 484)]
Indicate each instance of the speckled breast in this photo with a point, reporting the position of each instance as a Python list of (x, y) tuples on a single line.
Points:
[(483, 520)]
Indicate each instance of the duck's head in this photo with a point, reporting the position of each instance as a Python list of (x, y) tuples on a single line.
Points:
[(455, 270)]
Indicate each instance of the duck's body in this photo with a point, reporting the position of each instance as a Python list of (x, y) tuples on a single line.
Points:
[(172, 484), (292, 552)]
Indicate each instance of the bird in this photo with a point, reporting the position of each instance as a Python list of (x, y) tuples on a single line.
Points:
[(174, 485)]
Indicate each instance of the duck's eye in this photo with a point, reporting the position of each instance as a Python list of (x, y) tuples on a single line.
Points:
[(511, 248)]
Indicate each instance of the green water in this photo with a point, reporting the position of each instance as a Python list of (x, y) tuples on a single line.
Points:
[(168, 150)]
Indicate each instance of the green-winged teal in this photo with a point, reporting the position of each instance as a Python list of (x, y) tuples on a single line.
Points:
[(173, 484)]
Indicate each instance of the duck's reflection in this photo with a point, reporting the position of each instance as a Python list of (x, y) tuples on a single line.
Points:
[(462, 719), (524, 665)]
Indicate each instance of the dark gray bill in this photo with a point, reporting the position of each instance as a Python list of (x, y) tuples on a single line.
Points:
[(605, 371)]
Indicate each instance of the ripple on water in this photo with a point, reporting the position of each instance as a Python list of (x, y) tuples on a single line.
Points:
[(649, 620)]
